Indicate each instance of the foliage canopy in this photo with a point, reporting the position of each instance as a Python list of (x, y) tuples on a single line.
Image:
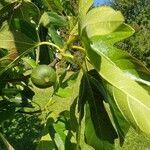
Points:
[(103, 86)]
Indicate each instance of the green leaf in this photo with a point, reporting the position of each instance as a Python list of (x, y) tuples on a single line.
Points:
[(46, 142), (19, 39), (131, 67), (52, 18), (98, 113), (82, 98), (121, 124), (66, 88), (29, 62), (73, 118), (54, 5), (121, 33), (123, 72), (58, 136), (20, 36), (91, 137), (6, 11), (101, 21), (61, 133), (19, 10), (84, 6), (55, 37), (98, 128)]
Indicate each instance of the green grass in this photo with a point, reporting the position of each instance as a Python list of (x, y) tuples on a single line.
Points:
[(25, 130)]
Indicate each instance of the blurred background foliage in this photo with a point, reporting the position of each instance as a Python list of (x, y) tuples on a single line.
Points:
[(136, 13)]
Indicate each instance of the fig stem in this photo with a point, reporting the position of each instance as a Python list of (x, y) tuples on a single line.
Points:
[(78, 47), (51, 44)]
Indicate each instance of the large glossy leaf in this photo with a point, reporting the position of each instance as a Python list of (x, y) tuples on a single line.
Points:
[(96, 23), (125, 74), (127, 93), (98, 128)]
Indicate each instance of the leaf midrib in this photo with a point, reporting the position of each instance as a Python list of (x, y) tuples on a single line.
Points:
[(107, 58)]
